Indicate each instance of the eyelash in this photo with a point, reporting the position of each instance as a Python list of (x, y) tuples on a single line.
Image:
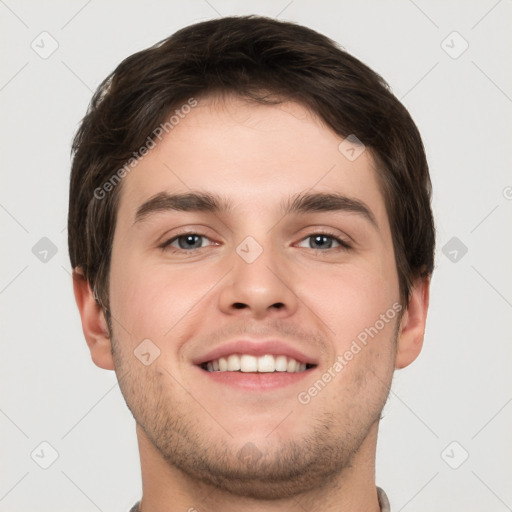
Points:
[(166, 246)]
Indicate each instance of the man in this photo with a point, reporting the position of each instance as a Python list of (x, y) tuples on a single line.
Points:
[(252, 242)]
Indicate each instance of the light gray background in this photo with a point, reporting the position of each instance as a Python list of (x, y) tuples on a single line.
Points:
[(460, 387)]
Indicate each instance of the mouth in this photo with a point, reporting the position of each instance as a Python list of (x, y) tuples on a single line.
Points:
[(256, 365), (249, 373), (247, 363)]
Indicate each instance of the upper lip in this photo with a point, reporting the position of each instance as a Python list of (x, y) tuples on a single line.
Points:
[(255, 348)]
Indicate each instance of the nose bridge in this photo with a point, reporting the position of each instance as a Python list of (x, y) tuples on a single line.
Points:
[(256, 263), (258, 280)]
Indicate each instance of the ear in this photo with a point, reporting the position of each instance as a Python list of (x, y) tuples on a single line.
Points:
[(94, 324), (412, 325)]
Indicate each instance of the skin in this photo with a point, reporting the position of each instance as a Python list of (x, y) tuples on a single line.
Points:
[(192, 431)]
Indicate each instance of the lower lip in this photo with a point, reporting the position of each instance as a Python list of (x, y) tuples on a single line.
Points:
[(256, 381)]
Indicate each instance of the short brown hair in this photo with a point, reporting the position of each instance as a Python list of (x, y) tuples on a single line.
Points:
[(263, 60)]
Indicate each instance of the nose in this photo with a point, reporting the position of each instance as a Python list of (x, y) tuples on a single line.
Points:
[(258, 288)]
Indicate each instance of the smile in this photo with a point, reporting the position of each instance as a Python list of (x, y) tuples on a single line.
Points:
[(247, 363)]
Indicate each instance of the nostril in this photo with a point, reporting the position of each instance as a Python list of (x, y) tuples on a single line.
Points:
[(241, 305)]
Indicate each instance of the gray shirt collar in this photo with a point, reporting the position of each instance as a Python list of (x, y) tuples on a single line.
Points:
[(383, 502)]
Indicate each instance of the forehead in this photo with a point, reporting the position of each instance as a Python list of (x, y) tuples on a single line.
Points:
[(253, 154)]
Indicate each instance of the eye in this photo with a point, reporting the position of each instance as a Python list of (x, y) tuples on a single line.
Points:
[(192, 241), (324, 241), (186, 242)]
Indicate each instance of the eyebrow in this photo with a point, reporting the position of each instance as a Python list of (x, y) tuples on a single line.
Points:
[(302, 203), (328, 202), (188, 202)]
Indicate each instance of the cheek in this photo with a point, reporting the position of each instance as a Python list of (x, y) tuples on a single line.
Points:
[(160, 301), (135, 298), (360, 309), (157, 301), (353, 302)]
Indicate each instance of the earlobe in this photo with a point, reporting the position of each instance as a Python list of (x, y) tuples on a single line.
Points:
[(412, 325), (94, 324)]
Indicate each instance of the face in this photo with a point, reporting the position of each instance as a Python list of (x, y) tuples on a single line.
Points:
[(294, 293)]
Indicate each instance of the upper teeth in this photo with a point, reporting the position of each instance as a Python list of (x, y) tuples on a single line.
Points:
[(248, 363)]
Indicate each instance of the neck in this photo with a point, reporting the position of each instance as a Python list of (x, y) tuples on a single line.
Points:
[(167, 489)]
